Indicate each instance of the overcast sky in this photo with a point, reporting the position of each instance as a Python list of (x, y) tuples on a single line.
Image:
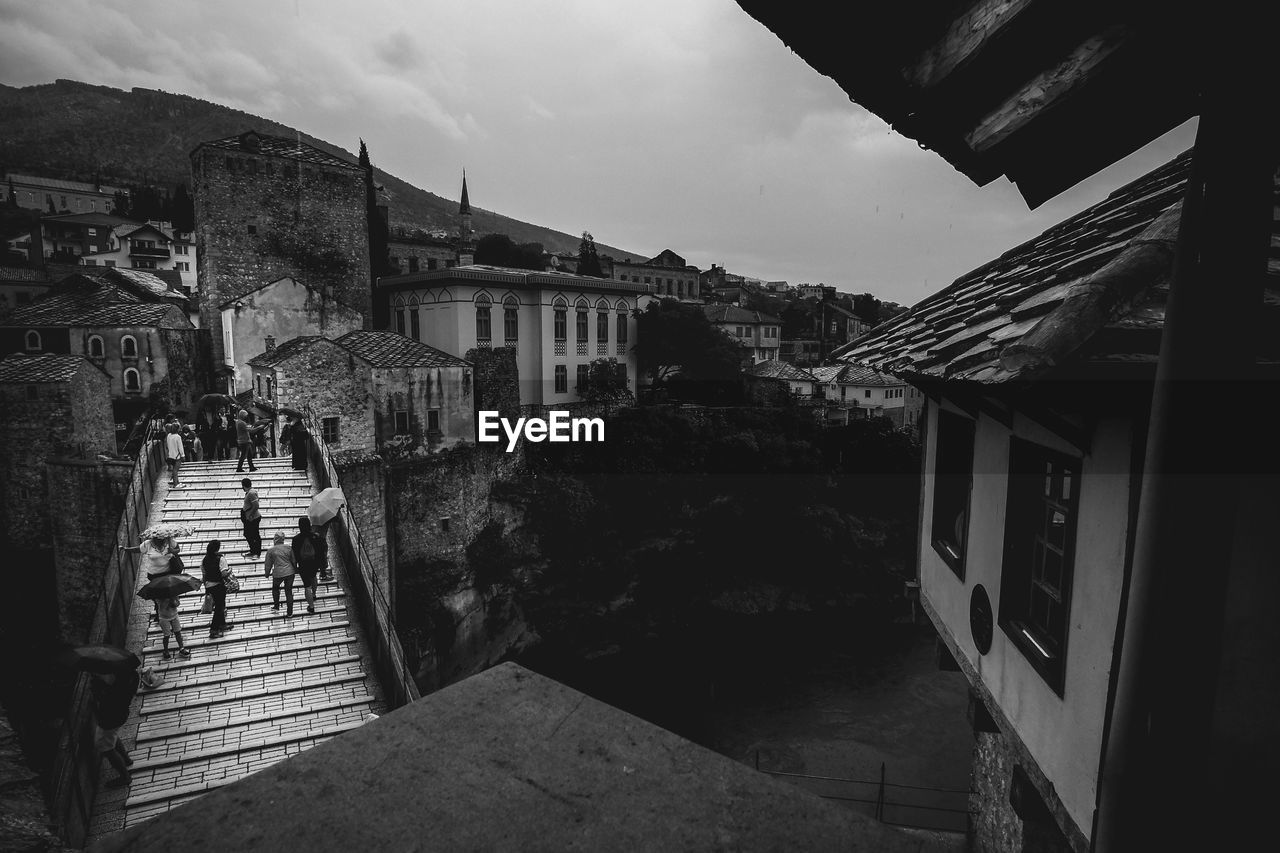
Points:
[(654, 124)]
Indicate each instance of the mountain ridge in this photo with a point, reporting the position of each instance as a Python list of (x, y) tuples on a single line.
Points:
[(80, 131)]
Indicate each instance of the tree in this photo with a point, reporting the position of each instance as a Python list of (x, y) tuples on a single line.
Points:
[(499, 250), (607, 382), (866, 306), (676, 338), (379, 239), (588, 259), (183, 210)]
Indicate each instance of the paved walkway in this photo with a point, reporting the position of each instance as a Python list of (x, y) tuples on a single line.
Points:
[(269, 688)]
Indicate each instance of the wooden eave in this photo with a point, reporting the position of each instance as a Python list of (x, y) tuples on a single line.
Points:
[(1045, 93)]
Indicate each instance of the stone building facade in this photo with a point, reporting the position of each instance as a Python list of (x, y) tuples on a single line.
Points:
[(267, 208), (667, 272), (279, 311), (372, 391), (54, 416)]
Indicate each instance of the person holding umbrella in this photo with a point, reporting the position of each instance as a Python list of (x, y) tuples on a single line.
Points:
[(298, 441), (309, 553), (114, 684), (157, 554), (165, 590), (323, 509)]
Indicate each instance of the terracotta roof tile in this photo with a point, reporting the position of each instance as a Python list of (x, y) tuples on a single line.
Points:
[(280, 146), (389, 349), (42, 367)]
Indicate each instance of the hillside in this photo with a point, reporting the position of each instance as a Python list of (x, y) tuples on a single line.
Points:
[(77, 131)]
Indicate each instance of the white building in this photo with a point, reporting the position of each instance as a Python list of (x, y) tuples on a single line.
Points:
[(558, 323)]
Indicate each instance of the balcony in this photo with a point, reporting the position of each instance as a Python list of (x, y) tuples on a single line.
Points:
[(148, 252)]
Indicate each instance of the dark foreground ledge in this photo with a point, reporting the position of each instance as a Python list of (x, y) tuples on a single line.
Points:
[(509, 760)]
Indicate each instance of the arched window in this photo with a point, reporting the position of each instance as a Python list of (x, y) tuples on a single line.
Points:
[(415, 321), (269, 387), (33, 341), (510, 319), (129, 347), (132, 381), (400, 318), (560, 309), (602, 323), (581, 324), (622, 326), (484, 320), (96, 347), (258, 381)]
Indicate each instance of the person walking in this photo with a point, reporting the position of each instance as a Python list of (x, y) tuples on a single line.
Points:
[(280, 567), (299, 439), (326, 571), (309, 553), (174, 452), (251, 518), (167, 616), (244, 442), (112, 695), (227, 425), (214, 570)]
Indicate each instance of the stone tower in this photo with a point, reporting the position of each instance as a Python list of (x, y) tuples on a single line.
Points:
[(268, 207)]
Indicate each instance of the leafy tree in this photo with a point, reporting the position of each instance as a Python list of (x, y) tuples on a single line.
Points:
[(588, 258), (500, 250), (379, 238), (675, 338), (183, 212), (607, 382)]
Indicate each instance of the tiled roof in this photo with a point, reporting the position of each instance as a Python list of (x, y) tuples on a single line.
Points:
[(389, 349), (775, 369), (109, 220), (482, 273), (279, 146), (152, 283), (288, 349), (54, 184), (852, 374), (106, 305), (24, 274), (1004, 320), (734, 314), (43, 367)]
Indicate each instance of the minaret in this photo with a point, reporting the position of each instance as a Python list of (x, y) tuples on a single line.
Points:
[(466, 247)]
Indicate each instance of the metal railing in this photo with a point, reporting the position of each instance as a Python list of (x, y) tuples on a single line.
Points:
[(952, 817), (75, 771), (371, 600)]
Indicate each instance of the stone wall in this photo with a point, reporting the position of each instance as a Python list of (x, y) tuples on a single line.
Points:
[(997, 825), (415, 391), (330, 382), (260, 218), (364, 484), (86, 499), (24, 818), (497, 380)]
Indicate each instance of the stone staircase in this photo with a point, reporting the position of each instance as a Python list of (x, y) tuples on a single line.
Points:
[(268, 688)]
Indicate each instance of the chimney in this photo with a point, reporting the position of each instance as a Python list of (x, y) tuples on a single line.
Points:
[(271, 343)]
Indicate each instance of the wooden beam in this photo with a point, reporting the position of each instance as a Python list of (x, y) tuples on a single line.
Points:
[(967, 36), (1045, 90)]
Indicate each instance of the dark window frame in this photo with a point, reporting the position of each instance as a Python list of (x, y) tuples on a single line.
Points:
[(1043, 485), (329, 430), (484, 318), (561, 375), (400, 422), (952, 489)]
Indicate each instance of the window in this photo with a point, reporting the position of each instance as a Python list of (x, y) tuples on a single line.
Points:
[(510, 319), (90, 262), (953, 476), (329, 430), (143, 264), (128, 346), (738, 331), (433, 420), (132, 381), (622, 327), (1039, 546), (253, 229), (96, 347), (33, 341), (109, 263), (562, 379), (400, 318), (582, 323), (867, 393), (484, 322), (584, 371), (444, 524), (182, 266), (561, 321), (602, 324), (413, 264), (415, 324), (402, 423), (431, 263)]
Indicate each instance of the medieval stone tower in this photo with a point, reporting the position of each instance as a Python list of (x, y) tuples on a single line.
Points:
[(269, 207)]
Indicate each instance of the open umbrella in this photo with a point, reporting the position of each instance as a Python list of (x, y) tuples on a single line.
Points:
[(99, 658), (216, 400), (324, 506), (170, 586), (293, 413), (167, 530)]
